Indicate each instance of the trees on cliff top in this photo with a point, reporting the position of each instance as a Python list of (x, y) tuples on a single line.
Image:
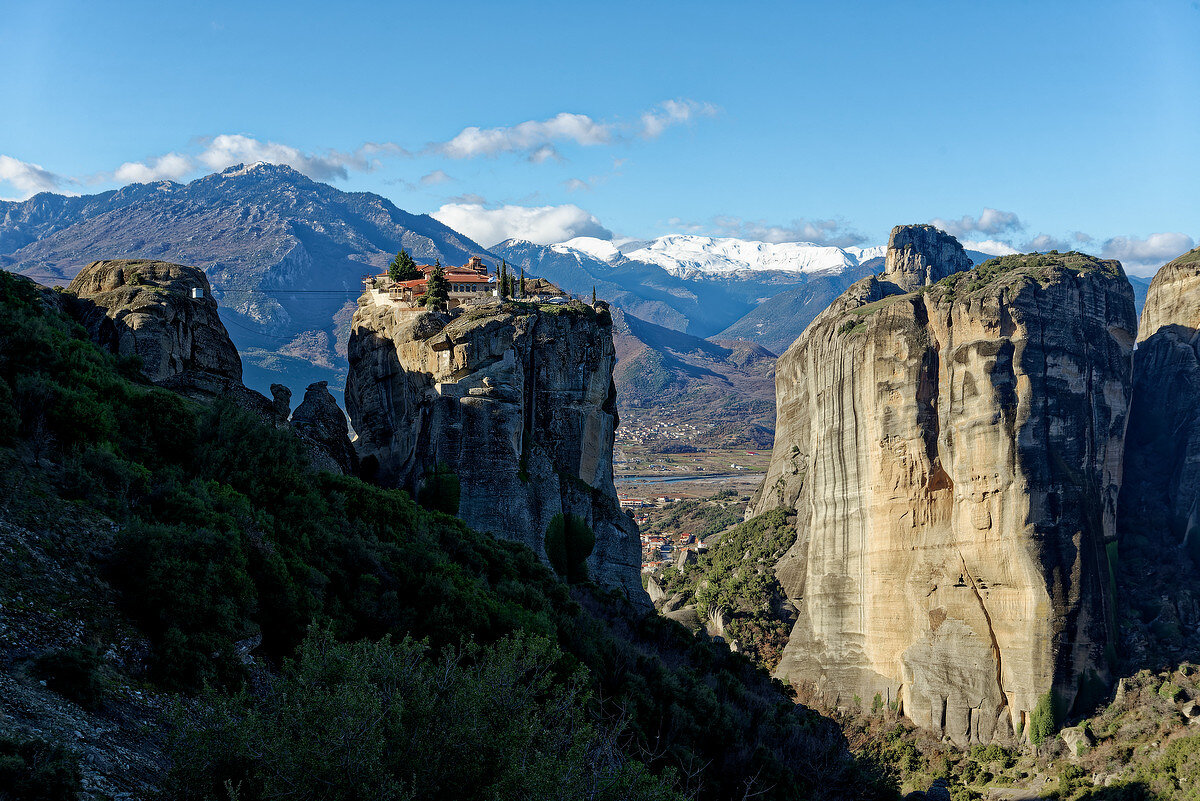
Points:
[(403, 267)]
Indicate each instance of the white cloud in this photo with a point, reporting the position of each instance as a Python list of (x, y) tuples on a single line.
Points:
[(434, 178), (170, 167), (229, 149), (28, 178), (576, 185), (673, 112), (531, 137), (992, 222), (992, 247), (821, 232), (541, 224), (1146, 255), (226, 150), (537, 139)]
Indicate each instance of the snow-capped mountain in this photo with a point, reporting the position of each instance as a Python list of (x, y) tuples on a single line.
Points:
[(695, 257)]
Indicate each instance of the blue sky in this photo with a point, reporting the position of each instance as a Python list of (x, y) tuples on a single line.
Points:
[(1078, 123)]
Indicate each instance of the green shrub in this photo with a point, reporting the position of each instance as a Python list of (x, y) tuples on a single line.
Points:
[(1043, 721), (569, 542), (391, 720), (76, 673), (440, 490), (1170, 690), (33, 770)]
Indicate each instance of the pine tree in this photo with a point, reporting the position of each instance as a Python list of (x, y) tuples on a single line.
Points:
[(593, 294), (403, 268), (521, 290), (437, 289), (503, 279)]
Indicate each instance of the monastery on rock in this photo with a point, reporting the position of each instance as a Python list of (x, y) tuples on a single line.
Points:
[(470, 282)]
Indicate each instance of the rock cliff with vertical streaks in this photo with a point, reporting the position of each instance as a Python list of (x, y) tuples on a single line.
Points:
[(954, 456), (516, 400)]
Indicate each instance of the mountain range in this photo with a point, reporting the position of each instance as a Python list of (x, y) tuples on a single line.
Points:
[(285, 256)]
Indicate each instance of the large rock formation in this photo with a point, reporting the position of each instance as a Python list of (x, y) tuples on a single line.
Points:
[(1160, 498), (146, 309), (918, 255), (954, 456), (516, 400)]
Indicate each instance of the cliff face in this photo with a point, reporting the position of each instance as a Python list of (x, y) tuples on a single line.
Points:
[(918, 255), (146, 309), (517, 400), (1160, 498), (954, 456)]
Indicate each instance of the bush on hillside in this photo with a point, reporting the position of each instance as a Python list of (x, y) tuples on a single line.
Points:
[(33, 770), (392, 720), (75, 673)]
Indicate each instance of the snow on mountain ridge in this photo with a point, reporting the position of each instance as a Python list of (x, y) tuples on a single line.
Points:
[(689, 256), (601, 249)]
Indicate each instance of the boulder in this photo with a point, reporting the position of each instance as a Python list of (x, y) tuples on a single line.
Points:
[(685, 557), (1077, 739), (148, 309), (321, 423), (674, 602), (655, 591), (954, 456)]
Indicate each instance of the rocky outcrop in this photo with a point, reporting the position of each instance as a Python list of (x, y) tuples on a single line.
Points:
[(321, 424), (1160, 498), (517, 400), (954, 456), (146, 309), (918, 255)]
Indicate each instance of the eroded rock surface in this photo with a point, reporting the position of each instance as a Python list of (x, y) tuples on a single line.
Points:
[(1160, 498), (146, 309), (954, 457), (918, 255), (321, 423), (516, 399)]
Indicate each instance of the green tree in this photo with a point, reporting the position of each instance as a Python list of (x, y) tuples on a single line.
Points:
[(521, 288), (441, 490), (569, 542), (504, 280), (437, 289), (403, 268)]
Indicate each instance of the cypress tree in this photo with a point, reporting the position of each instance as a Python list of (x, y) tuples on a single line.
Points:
[(437, 289)]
